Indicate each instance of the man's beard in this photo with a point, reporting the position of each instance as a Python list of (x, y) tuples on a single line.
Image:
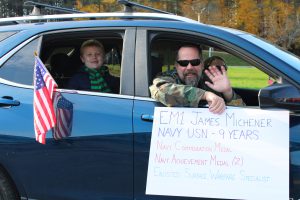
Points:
[(191, 81)]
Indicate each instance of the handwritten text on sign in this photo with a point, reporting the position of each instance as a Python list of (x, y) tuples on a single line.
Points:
[(241, 154)]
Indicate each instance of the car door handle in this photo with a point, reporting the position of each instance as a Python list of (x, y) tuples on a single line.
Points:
[(147, 118), (8, 101)]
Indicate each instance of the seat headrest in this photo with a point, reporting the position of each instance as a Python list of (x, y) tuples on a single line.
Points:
[(61, 64)]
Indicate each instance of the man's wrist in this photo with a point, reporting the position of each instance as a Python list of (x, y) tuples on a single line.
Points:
[(203, 97), (228, 95)]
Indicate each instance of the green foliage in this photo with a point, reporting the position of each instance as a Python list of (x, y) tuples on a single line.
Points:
[(247, 77)]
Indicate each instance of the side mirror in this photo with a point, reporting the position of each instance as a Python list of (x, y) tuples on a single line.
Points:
[(280, 96)]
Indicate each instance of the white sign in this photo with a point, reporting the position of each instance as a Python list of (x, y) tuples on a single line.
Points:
[(241, 154)]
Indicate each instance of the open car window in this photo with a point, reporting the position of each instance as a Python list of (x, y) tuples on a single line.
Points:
[(61, 53), (246, 78)]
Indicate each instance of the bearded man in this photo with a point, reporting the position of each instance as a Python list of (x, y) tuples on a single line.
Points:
[(184, 86)]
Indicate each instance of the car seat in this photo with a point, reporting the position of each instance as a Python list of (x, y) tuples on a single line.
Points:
[(156, 67), (61, 68)]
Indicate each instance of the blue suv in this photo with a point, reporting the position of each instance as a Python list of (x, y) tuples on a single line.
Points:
[(106, 156)]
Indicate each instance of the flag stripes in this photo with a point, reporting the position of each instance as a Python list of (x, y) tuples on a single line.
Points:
[(44, 85)]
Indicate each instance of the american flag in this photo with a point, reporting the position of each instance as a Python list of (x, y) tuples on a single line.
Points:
[(43, 111), (64, 117)]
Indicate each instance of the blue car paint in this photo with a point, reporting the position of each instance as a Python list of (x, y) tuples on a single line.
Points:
[(102, 154)]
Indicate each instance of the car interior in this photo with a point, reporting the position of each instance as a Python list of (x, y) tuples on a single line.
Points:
[(61, 53), (162, 59)]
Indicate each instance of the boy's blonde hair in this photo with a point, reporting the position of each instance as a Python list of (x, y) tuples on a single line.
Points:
[(92, 43)]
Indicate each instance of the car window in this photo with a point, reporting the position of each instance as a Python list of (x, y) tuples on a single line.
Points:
[(61, 54), (241, 73), (245, 78), (19, 67)]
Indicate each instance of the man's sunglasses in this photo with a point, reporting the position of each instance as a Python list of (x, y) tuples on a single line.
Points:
[(185, 63)]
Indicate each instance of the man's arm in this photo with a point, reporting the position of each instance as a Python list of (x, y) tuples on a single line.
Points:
[(236, 100), (165, 90)]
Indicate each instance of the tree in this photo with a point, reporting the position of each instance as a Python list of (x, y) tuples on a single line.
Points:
[(10, 8), (275, 20), (247, 16), (280, 22), (195, 9), (4, 12), (97, 5)]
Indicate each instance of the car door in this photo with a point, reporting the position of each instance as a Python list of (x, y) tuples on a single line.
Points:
[(95, 161), (144, 105), (143, 114)]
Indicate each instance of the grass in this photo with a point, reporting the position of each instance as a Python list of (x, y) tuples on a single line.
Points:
[(247, 77), (243, 76)]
